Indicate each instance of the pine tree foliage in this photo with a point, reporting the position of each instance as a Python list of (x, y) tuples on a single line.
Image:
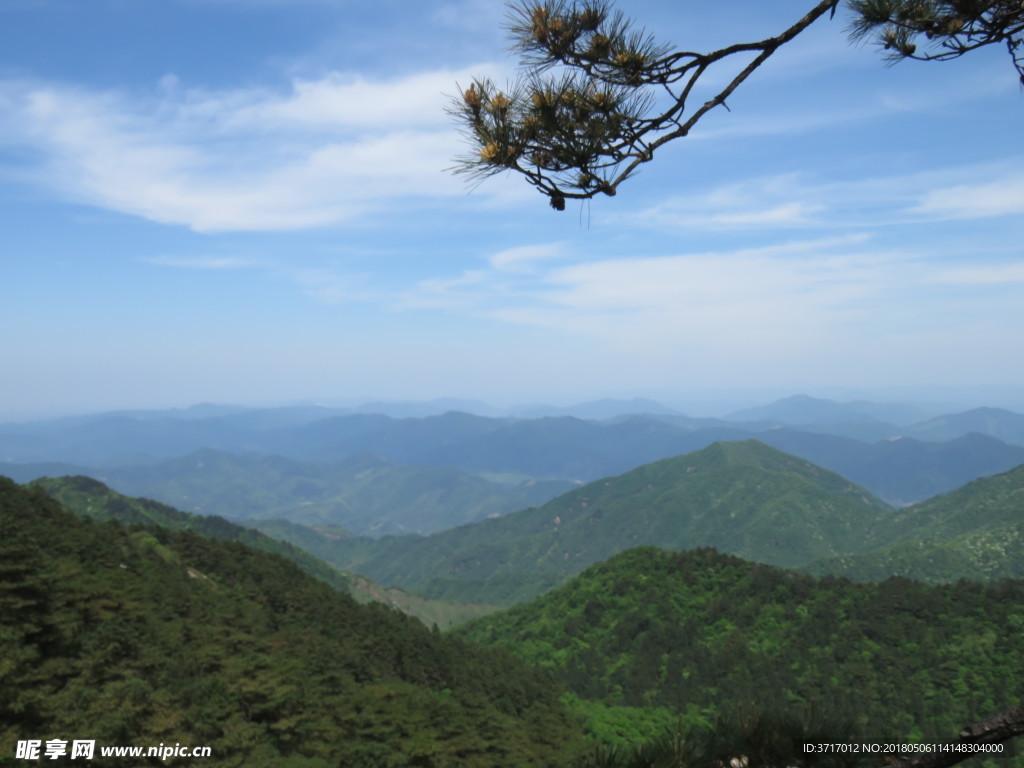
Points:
[(950, 27), (599, 96)]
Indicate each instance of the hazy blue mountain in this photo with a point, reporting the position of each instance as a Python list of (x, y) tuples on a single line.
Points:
[(563, 448), (801, 410), (995, 422), (902, 471), (365, 493), (191, 413), (597, 410), (23, 473), (409, 441), (405, 409), (115, 439), (568, 447), (266, 419)]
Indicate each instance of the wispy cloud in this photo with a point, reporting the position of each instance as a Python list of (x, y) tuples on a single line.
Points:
[(999, 197), (204, 262), (802, 201), (768, 304), (316, 153), (833, 299), (523, 258), (982, 274), (467, 291)]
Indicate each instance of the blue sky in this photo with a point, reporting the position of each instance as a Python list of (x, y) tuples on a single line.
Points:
[(247, 201)]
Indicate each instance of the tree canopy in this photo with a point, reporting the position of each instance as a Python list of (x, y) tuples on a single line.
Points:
[(599, 96)]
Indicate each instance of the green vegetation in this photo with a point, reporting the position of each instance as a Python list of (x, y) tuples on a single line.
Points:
[(746, 738), (93, 499), (974, 532), (146, 636), (744, 498), (701, 633), (666, 659)]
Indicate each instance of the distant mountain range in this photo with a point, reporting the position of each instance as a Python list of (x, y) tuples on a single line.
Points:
[(376, 474), (365, 494), (745, 498), (805, 410)]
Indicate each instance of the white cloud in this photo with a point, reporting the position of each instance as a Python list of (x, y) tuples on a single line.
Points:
[(837, 303), (793, 200), (999, 197), (338, 100), (982, 274), (322, 152), (522, 258)]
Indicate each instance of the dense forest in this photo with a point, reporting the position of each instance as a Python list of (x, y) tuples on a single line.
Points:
[(701, 633), (142, 637)]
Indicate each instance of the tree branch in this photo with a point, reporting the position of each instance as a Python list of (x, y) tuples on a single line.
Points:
[(991, 730), (586, 132)]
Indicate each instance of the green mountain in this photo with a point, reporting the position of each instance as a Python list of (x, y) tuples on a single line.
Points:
[(745, 498), (804, 410), (702, 633), (152, 636), (91, 498), (976, 531)]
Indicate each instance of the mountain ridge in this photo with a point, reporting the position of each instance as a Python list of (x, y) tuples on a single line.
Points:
[(746, 497)]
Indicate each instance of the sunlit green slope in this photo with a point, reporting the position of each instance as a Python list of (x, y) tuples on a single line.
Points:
[(744, 498)]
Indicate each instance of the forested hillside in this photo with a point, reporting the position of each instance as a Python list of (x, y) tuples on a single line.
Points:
[(143, 637), (702, 632), (93, 499), (745, 498), (976, 531)]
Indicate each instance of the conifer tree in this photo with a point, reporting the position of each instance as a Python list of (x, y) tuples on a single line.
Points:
[(598, 96)]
